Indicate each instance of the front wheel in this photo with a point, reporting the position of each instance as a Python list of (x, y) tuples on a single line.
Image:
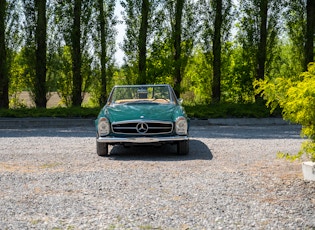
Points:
[(183, 147), (102, 149)]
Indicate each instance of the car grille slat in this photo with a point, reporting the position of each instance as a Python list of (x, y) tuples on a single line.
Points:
[(142, 127)]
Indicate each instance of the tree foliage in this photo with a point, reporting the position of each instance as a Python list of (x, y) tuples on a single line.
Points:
[(206, 50), (296, 96)]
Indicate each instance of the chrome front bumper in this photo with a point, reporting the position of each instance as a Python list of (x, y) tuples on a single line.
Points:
[(141, 140)]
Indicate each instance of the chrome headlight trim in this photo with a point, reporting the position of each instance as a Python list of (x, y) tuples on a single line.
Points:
[(103, 126), (181, 126)]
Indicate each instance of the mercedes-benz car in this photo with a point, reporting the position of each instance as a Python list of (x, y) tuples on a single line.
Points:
[(142, 115)]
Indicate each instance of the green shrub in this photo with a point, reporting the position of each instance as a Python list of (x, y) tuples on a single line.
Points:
[(296, 97), (230, 110)]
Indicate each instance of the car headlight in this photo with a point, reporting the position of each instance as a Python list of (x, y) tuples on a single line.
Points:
[(181, 126), (103, 126)]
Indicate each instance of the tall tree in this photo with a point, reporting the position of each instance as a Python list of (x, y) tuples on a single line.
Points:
[(310, 32), (294, 18), (216, 83), (131, 16), (4, 85), (103, 51), (106, 24), (257, 36), (262, 43), (28, 61), (142, 41), (177, 45), (216, 20), (76, 54), (41, 50)]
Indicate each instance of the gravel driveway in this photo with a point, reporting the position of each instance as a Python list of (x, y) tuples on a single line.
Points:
[(53, 179)]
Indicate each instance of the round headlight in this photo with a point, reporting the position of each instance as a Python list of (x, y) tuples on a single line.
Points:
[(103, 126), (181, 126)]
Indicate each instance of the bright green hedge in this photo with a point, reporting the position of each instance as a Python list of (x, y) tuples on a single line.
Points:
[(296, 97)]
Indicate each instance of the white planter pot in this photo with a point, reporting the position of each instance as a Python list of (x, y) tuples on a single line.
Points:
[(308, 169)]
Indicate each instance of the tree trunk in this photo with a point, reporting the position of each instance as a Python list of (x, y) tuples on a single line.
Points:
[(262, 46), (76, 55), (177, 45), (216, 83), (4, 84), (143, 42), (103, 98), (310, 30), (41, 48)]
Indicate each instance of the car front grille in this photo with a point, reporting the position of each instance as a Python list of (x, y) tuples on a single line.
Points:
[(142, 127)]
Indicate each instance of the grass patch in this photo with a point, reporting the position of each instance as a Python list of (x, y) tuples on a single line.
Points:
[(72, 112), (221, 110), (50, 165)]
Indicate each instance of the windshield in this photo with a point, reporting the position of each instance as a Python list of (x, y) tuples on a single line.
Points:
[(142, 94)]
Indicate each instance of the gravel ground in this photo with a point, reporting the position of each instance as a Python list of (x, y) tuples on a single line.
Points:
[(53, 179)]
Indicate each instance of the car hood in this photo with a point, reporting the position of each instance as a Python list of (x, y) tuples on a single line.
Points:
[(146, 111)]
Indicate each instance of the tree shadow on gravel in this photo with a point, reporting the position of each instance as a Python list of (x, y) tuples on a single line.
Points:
[(247, 132), (198, 151), (49, 132)]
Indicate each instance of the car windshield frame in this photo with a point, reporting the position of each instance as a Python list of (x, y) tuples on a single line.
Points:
[(134, 94)]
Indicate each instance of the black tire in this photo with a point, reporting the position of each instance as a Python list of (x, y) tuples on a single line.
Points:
[(183, 147), (102, 149)]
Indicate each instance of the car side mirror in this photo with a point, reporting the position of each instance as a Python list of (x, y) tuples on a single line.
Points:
[(180, 101)]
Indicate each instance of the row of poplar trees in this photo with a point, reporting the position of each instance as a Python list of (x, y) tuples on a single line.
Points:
[(163, 39), (40, 30)]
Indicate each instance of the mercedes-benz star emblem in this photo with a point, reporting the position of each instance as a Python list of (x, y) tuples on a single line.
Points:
[(142, 128)]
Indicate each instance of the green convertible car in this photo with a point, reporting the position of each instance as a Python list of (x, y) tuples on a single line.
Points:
[(142, 115)]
